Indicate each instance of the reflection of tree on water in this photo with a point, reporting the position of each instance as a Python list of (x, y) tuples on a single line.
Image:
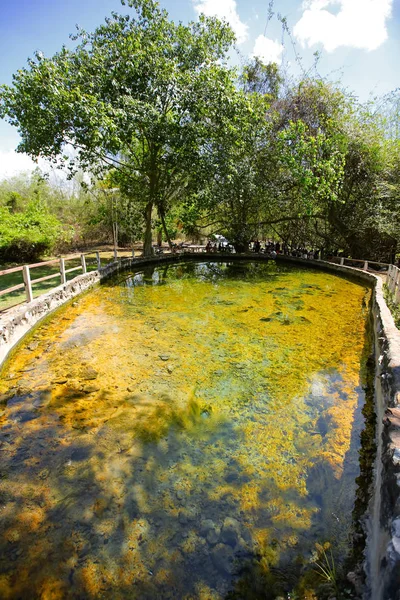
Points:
[(161, 494)]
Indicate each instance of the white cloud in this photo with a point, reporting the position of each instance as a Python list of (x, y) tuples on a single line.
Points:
[(12, 163), (224, 9), (267, 50), (355, 23)]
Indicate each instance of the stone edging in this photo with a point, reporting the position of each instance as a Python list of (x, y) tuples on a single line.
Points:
[(383, 547)]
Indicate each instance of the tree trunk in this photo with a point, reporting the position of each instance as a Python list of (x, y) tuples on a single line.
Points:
[(148, 240), (161, 213)]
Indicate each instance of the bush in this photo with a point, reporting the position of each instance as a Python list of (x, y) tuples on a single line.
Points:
[(25, 236)]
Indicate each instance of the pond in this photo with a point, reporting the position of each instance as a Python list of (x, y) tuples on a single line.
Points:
[(187, 431)]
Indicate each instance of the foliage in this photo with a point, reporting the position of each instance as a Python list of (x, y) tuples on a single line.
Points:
[(230, 198), (131, 97), (153, 112), (259, 78), (26, 235), (393, 305)]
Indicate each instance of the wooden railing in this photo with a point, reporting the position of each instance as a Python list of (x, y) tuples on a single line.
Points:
[(393, 282), (359, 263), (61, 273)]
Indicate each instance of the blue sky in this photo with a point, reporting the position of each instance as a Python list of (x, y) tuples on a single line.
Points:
[(359, 40)]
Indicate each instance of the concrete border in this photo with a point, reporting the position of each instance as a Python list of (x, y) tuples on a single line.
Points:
[(383, 539)]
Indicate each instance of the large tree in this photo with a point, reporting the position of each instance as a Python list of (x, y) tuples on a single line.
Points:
[(132, 97)]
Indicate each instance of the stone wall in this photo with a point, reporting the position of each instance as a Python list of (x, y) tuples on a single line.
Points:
[(383, 524)]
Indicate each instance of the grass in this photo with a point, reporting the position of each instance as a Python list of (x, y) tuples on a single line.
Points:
[(325, 566), (393, 306), (18, 296)]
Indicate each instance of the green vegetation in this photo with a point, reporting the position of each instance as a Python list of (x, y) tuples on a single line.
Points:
[(393, 305), (27, 235), (175, 140)]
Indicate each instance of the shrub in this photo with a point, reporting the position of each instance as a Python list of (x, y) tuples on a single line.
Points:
[(25, 236)]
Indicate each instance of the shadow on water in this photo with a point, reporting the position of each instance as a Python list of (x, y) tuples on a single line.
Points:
[(144, 496), (72, 530), (111, 518)]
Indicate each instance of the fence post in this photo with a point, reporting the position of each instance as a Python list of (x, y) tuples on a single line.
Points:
[(27, 282), (98, 260), (393, 279), (365, 267), (62, 270), (342, 260), (115, 254), (396, 281), (133, 252), (389, 281), (83, 261), (396, 292)]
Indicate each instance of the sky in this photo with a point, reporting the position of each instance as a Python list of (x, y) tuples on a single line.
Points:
[(358, 40)]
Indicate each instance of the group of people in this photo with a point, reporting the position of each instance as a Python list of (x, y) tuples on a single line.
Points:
[(274, 248), (268, 247), (220, 247)]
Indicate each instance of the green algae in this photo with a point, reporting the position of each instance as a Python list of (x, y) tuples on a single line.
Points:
[(171, 397)]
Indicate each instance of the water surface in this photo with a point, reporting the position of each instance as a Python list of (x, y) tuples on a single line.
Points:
[(189, 431)]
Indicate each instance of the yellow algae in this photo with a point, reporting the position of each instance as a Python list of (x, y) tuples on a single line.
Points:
[(184, 420)]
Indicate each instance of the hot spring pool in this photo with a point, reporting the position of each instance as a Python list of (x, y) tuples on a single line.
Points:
[(189, 431)]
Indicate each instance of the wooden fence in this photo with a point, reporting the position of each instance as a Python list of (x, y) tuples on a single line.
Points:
[(62, 272), (359, 263), (393, 282)]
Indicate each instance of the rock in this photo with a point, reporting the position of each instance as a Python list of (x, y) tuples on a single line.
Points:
[(247, 537), (89, 373), (182, 518), (5, 397), (191, 513), (395, 530), (242, 549), (205, 526), (130, 389), (180, 494), (222, 558), (33, 346), (213, 536), (89, 389), (164, 357), (60, 380), (170, 368), (230, 531), (22, 390)]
